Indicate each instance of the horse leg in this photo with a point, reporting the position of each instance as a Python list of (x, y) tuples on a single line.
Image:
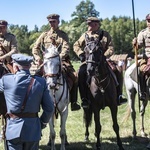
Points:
[(131, 100), (52, 136), (64, 116), (114, 111), (133, 116), (142, 112), (87, 119), (86, 134), (97, 127)]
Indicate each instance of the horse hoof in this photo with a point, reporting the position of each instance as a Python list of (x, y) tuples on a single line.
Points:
[(98, 148), (49, 144), (121, 148), (143, 134), (67, 143), (86, 139)]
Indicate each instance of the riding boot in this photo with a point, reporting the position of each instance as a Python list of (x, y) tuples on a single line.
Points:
[(142, 87), (83, 95), (73, 97), (120, 98), (72, 80), (83, 89)]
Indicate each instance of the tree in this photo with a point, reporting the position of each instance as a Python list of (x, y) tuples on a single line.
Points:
[(84, 10)]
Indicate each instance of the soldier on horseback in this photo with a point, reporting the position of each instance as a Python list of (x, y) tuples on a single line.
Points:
[(8, 46), (143, 40), (104, 41), (59, 38)]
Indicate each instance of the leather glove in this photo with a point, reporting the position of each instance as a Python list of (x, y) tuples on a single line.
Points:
[(82, 57)]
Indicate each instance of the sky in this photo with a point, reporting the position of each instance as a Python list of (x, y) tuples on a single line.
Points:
[(34, 12)]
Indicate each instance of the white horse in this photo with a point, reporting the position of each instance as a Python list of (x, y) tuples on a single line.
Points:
[(131, 90), (60, 92)]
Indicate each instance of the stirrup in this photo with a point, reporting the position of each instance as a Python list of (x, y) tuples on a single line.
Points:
[(85, 103), (122, 99), (75, 106)]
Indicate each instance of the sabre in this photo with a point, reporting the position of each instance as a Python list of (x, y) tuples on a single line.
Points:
[(136, 55)]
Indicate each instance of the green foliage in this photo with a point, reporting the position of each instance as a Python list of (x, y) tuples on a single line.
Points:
[(84, 10)]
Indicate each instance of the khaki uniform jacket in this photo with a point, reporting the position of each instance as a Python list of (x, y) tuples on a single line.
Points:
[(105, 43), (44, 41), (8, 46), (143, 40)]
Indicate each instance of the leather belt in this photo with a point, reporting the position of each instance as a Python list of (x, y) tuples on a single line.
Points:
[(22, 115)]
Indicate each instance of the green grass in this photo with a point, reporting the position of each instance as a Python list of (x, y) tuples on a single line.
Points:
[(75, 130)]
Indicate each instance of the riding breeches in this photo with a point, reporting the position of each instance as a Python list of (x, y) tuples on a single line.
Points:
[(72, 79), (119, 77), (82, 81)]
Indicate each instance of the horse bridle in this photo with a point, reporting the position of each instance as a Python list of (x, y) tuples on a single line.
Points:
[(57, 74), (97, 81), (54, 90)]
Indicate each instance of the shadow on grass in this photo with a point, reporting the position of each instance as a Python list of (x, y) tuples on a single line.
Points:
[(106, 144), (72, 146), (129, 143)]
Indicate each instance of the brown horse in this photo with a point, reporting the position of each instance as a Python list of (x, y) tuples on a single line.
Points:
[(102, 90)]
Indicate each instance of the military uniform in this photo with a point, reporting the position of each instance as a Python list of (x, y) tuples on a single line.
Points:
[(23, 128), (8, 46), (143, 40), (105, 44), (60, 38), (8, 43), (45, 40)]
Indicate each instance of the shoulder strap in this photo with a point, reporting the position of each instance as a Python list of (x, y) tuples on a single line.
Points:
[(27, 93), (100, 36), (42, 42)]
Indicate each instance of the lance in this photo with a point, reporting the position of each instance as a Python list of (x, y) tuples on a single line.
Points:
[(136, 55)]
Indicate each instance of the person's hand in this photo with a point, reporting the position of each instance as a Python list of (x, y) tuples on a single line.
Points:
[(134, 42), (82, 57)]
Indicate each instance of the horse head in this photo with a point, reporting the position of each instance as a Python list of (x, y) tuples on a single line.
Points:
[(94, 56), (52, 66)]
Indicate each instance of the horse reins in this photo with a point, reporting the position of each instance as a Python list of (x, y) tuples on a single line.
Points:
[(99, 83), (61, 84)]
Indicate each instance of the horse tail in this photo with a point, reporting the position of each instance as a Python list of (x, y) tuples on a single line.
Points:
[(87, 116), (127, 114)]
